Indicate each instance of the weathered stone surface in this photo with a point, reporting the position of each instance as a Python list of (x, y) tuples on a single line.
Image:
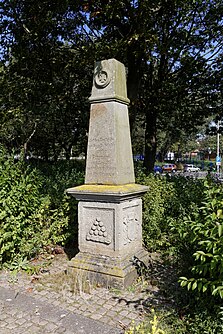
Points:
[(106, 271), (110, 233), (110, 206), (110, 218), (107, 193), (109, 153), (109, 82), (109, 228)]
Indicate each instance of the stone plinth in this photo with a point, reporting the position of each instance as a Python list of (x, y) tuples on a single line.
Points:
[(110, 233)]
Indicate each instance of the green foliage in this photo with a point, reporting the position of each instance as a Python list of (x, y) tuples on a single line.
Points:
[(183, 217), (166, 207), (31, 215), (188, 197), (154, 210), (197, 321), (45, 81), (48, 49), (206, 236), (151, 327), (169, 322)]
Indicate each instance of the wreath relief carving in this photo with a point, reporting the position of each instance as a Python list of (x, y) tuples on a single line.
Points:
[(131, 223), (102, 76)]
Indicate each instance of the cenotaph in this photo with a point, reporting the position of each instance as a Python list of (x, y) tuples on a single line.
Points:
[(110, 205)]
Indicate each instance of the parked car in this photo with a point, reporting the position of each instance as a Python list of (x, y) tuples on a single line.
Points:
[(191, 168), (170, 168), (157, 169)]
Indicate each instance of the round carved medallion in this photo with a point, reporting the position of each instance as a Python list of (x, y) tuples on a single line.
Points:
[(102, 79)]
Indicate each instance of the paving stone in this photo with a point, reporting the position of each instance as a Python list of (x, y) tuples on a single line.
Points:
[(2, 316), (60, 330), (42, 322), (42, 293), (3, 324), (124, 313), (5, 331), (100, 301), (96, 316), (107, 306), (83, 307), (34, 329), (10, 319), (112, 313), (71, 308), (102, 311), (59, 312), (20, 321)]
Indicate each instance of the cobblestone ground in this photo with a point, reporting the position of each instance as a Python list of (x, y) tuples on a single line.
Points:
[(52, 302)]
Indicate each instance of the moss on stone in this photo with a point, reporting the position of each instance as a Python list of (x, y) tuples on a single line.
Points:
[(118, 189)]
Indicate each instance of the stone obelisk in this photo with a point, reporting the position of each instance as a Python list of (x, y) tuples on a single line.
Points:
[(110, 205)]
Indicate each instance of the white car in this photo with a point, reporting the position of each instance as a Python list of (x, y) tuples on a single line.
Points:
[(191, 168)]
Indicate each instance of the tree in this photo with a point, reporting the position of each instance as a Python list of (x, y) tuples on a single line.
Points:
[(170, 49), (46, 79)]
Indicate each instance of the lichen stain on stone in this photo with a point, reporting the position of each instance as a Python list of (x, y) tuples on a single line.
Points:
[(98, 110), (132, 187)]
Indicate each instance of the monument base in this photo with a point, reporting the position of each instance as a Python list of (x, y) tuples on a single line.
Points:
[(106, 271), (110, 233)]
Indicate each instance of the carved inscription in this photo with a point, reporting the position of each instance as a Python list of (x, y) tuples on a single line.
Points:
[(101, 160), (98, 233)]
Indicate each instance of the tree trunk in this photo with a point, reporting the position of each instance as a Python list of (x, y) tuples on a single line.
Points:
[(134, 76), (67, 149), (150, 141), (25, 145)]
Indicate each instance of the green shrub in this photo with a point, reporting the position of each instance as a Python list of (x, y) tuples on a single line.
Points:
[(154, 210), (58, 176), (189, 194), (150, 327), (32, 215), (197, 320), (206, 236), (166, 207)]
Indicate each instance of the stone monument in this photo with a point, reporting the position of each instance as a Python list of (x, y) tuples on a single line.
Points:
[(110, 205)]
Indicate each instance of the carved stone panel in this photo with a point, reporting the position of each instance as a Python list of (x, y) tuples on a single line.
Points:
[(102, 77), (97, 228), (131, 225), (98, 232)]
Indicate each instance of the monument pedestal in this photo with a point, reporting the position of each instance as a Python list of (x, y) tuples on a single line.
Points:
[(110, 205), (110, 233)]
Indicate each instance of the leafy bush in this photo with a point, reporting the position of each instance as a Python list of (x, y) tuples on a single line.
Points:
[(33, 212), (150, 327), (154, 210), (166, 207), (206, 236), (182, 217), (58, 176), (189, 194), (197, 320)]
